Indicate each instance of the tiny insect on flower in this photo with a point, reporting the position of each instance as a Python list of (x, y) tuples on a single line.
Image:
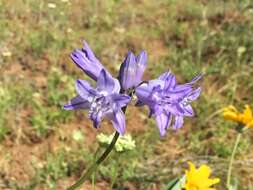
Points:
[(245, 118), (198, 179)]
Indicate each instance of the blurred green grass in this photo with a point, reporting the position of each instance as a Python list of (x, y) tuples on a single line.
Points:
[(187, 37)]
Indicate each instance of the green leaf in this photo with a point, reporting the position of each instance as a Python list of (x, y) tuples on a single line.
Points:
[(172, 183), (176, 184)]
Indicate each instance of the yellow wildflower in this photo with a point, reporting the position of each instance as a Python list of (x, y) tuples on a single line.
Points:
[(245, 118), (198, 179)]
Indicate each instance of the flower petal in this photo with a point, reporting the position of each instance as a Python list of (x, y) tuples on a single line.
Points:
[(175, 109), (169, 79), (141, 61), (85, 90), (120, 99), (188, 111), (199, 178), (229, 115), (195, 79), (86, 60), (143, 93), (194, 94), (118, 121), (179, 121), (96, 118), (77, 103), (162, 121), (164, 76), (128, 71), (107, 83), (89, 53)]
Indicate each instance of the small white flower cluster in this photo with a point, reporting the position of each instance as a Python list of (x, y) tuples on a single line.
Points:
[(124, 143), (5, 52), (53, 5)]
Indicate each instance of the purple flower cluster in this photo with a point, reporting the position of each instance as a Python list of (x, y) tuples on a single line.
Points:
[(168, 101)]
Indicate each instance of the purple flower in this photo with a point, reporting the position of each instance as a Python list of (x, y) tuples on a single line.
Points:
[(132, 69), (166, 100), (103, 101), (85, 59)]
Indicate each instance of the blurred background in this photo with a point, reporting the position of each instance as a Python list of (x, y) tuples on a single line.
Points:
[(45, 147)]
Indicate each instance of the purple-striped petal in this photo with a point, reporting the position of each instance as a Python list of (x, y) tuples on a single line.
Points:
[(128, 71), (77, 103), (121, 100), (188, 111), (89, 53), (179, 121), (86, 60), (169, 80), (195, 79), (107, 83), (84, 89), (118, 121), (141, 61), (143, 93), (96, 118), (194, 94), (162, 121)]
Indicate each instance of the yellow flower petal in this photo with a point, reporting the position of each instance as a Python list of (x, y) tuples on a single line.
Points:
[(245, 118), (198, 179), (204, 171), (247, 114), (230, 109), (231, 116)]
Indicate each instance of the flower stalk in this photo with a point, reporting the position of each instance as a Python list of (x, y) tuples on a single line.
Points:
[(232, 159), (94, 166), (168, 101)]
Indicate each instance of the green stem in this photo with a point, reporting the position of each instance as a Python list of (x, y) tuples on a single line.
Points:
[(232, 159), (94, 166), (94, 180), (95, 171)]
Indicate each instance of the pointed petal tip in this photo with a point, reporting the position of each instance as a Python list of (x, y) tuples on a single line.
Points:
[(130, 53), (86, 47), (142, 59), (144, 54), (162, 133), (75, 54), (66, 107), (118, 121), (85, 43)]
